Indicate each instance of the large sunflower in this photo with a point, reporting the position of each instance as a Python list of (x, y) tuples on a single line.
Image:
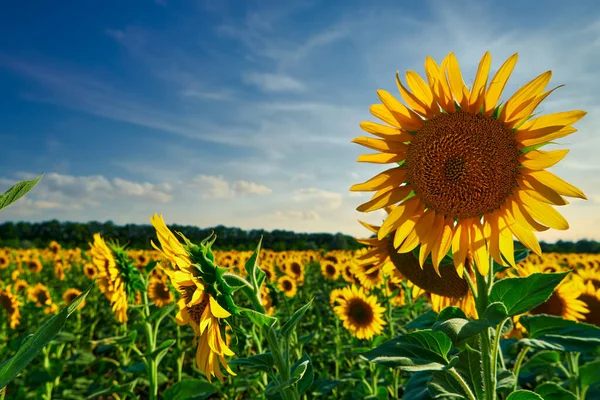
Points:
[(361, 315), (470, 171)]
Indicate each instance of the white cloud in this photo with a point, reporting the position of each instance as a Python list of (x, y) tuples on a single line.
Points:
[(217, 187), (296, 215), (274, 82), (322, 199)]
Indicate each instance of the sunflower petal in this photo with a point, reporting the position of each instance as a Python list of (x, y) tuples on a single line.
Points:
[(389, 178), (432, 236), (555, 183), (457, 85), (524, 235), (478, 247), (539, 191), (460, 245), (393, 196), (386, 132), (398, 215), (498, 83), (524, 111), (381, 158), (439, 85), (491, 234), (217, 310), (407, 118), (410, 243), (478, 92), (507, 245), (381, 145), (524, 94), (542, 212), (372, 228), (414, 101), (380, 111), (538, 159), (442, 244), (523, 217)]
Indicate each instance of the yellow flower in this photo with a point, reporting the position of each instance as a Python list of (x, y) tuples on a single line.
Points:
[(71, 294), (54, 247), (90, 271), (159, 292), (11, 304), (470, 175), (34, 265), (171, 248), (330, 270), (59, 270), (40, 295), (4, 259), (287, 285), (361, 315)]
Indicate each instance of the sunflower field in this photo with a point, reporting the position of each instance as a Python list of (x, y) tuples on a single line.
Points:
[(441, 302)]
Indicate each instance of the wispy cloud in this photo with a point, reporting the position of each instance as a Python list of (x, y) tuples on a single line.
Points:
[(274, 82)]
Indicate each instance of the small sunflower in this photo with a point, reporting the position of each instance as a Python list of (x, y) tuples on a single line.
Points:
[(361, 315), (20, 287), (90, 271), (71, 294), (40, 295), (54, 247), (10, 303), (336, 296), (470, 173), (159, 293), (565, 302), (34, 265), (59, 270), (287, 285), (330, 270), (267, 300), (4, 259), (295, 270)]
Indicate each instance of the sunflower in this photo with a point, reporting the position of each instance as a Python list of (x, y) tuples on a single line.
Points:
[(348, 273), (59, 270), (202, 312), (565, 302), (287, 285), (40, 295), (295, 269), (361, 315), (266, 300), (330, 270), (159, 292), (4, 259), (110, 280), (11, 304), (90, 271), (170, 247), (591, 297), (54, 247), (34, 265), (470, 173), (393, 284), (71, 294), (20, 287)]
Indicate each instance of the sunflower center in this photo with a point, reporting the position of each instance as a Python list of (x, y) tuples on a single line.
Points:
[(296, 269), (554, 306), (287, 285), (360, 312), (330, 270), (463, 165), (593, 317)]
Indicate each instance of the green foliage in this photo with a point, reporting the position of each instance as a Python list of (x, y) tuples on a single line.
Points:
[(520, 295), (524, 395), (17, 191), (552, 391), (425, 350), (290, 325), (554, 333), (36, 342), (190, 389)]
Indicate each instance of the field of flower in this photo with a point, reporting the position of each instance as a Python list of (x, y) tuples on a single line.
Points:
[(100, 352)]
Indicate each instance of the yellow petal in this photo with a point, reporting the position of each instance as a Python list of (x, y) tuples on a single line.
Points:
[(478, 247), (478, 92), (442, 244), (498, 83), (386, 132), (388, 198), (410, 243), (507, 245), (525, 110), (542, 212), (539, 191), (400, 214), (217, 310), (521, 215), (404, 229), (524, 235), (527, 92), (555, 183), (491, 234), (547, 135), (538, 159), (380, 111), (372, 228), (556, 121), (407, 118), (389, 178), (413, 100), (430, 238), (439, 85), (381, 158), (457, 85), (460, 245), (381, 145)]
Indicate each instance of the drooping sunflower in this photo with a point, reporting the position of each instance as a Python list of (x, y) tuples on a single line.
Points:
[(159, 293), (71, 294), (287, 285), (470, 171), (330, 270), (10, 303), (361, 314)]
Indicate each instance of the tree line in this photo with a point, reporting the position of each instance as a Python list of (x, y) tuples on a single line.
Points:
[(75, 234)]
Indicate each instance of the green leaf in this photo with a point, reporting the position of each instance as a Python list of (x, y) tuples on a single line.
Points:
[(262, 362), (423, 321), (417, 351), (234, 282), (524, 395), (444, 386), (551, 391), (554, 333), (416, 387), (36, 342), (150, 266), (63, 337), (252, 266), (162, 313), (17, 191), (191, 389), (308, 376), (506, 381), (126, 388), (305, 339), (460, 328), (257, 318), (589, 373), (290, 325), (470, 366), (520, 295), (121, 340), (162, 350), (82, 358), (299, 370), (324, 386)]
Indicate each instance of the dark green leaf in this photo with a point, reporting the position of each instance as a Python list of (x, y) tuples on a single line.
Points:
[(192, 389), (551, 391), (290, 325), (589, 373), (520, 295), (471, 368), (63, 337), (36, 342), (262, 362), (126, 388), (150, 266), (252, 265), (305, 339), (234, 282), (423, 321), (417, 351), (444, 386), (257, 318), (162, 313), (450, 313), (307, 378), (17, 191), (554, 333), (82, 358), (459, 328), (506, 381), (524, 395), (162, 350), (299, 370), (416, 387), (324, 386)]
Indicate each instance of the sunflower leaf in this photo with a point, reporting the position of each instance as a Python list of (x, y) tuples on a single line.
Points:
[(290, 325), (262, 362), (551, 391), (36, 342), (258, 318), (190, 389), (523, 294), (425, 350), (554, 333), (589, 373), (524, 395), (252, 266), (17, 191)]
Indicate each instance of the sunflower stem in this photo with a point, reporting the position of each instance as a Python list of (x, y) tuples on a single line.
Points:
[(518, 363), (487, 354), (462, 383)]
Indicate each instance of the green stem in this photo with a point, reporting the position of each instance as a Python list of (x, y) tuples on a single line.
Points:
[(496, 350), (279, 362), (518, 363), (488, 363), (573, 364), (462, 383), (151, 333)]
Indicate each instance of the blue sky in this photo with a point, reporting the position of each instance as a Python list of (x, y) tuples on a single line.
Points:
[(241, 113)]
